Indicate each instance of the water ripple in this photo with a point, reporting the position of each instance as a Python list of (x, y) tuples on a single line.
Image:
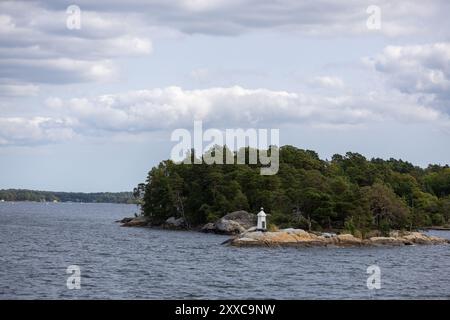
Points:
[(38, 242)]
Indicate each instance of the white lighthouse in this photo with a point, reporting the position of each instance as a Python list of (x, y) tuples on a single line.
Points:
[(261, 224)]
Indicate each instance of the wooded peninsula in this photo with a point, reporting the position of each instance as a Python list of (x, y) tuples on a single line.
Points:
[(348, 192)]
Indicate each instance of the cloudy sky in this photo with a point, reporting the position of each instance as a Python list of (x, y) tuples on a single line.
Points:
[(92, 109)]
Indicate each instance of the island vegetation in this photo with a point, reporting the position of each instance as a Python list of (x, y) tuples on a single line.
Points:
[(347, 192), (49, 196)]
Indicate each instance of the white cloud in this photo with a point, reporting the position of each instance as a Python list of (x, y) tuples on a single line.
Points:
[(328, 82), (232, 106), (168, 108), (36, 47), (18, 90), (201, 74), (36, 130), (59, 70), (318, 17), (53, 102), (35, 44), (422, 68), (35, 31), (417, 69)]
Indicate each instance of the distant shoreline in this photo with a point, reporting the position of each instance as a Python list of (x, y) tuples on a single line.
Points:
[(23, 195), (59, 202), (437, 228)]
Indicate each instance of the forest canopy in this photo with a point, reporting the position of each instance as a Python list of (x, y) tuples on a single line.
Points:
[(347, 192)]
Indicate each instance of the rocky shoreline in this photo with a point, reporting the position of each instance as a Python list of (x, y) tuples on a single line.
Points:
[(233, 223), (241, 225), (301, 238)]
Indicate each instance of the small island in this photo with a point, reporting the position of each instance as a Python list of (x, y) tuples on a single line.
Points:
[(301, 238), (241, 225), (346, 201)]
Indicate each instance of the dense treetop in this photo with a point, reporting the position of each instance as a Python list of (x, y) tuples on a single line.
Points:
[(347, 192)]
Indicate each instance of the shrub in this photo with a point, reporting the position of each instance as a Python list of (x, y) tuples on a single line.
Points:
[(349, 225)]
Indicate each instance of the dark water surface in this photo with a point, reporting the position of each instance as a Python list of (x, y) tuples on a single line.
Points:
[(38, 241)]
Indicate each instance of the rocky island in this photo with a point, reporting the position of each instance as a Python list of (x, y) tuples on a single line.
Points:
[(301, 238), (347, 200), (242, 226)]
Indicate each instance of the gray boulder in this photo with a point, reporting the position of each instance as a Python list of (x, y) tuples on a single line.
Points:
[(140, 221), (209, 228), (244, 218), (232, 223), (125, 220), (173, 223), (225, 226), (328, 235)]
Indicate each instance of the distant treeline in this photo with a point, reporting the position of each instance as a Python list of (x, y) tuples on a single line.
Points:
[(49, 196), (346, 192)]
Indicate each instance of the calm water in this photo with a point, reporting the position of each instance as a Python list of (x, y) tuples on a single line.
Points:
[(38, 241)]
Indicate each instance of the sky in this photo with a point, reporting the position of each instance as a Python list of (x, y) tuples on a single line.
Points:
[(89, 95)]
